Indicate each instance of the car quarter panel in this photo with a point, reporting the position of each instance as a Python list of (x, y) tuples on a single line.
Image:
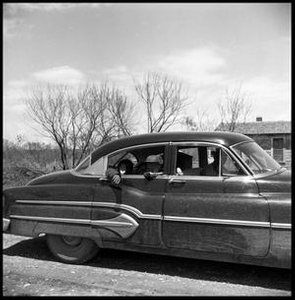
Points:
[(52, 204), (281, 234), (276, 188)]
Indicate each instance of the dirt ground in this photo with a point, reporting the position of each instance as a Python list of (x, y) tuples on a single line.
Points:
[(29, 269)]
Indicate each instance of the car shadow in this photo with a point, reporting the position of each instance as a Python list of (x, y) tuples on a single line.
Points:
[(273, 278)]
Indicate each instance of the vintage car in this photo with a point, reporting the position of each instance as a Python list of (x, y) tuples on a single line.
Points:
[(214, 196)]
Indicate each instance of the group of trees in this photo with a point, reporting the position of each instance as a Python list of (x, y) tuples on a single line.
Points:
[(23, 160), (78, 120)]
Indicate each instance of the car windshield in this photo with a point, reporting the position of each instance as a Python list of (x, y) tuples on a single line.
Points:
[(256, 158)]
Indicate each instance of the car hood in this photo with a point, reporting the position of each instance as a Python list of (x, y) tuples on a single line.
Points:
[(279, 182), (53, 178)]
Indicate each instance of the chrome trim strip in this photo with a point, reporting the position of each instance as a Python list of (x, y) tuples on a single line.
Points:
[(110, 223), (245, 141), (50, 219), (124, 225), (131, 209), (141, 215), (281, 226), (75, 203), (217, 221), (75, 221)]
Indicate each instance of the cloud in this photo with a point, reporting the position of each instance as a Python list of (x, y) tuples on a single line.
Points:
[(14, 118), (14, 8), (14, 13), (201, 70), (271, 99), (60, 75), (120, 76), (205, 71), (199, 67), (64, 75), (118, 73), (10, 27), (16, 91)]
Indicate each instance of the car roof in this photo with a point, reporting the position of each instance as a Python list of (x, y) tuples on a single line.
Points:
[(219, 137)]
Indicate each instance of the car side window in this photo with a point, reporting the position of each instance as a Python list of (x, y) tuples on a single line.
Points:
[(205, 161), (123, 161), (138, 160), (187, 161), (97, 168)]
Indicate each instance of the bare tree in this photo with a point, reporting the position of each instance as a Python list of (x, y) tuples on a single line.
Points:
[(79, 121), (116, 119), (164, 100), (234, 108), (47, 107), (121, 111), (202, 122)]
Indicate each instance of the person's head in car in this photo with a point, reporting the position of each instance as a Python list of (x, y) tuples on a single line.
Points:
[(154, 163), (125, 166)]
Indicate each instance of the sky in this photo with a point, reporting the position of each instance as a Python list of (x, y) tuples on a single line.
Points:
[(209, 47)]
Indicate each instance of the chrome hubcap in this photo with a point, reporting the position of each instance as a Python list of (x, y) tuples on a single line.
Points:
[(71, 240)]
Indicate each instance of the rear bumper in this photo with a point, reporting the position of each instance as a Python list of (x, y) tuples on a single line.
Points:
[(6, 223)]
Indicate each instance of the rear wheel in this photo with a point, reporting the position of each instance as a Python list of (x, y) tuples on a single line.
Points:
[(72, 249)]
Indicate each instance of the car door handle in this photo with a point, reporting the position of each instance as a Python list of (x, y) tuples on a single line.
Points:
[(177, 181)]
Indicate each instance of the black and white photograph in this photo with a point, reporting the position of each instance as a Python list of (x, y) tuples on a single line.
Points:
[(147, 149)]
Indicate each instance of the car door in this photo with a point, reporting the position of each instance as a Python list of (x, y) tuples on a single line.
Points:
[(131, 211), (214, 213)]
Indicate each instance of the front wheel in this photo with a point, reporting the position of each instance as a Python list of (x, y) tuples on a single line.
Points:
[(72, 249)]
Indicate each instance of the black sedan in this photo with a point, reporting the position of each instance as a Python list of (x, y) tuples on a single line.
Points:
[(216, 196)]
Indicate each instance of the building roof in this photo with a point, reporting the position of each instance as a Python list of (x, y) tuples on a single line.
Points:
[(269, 127), (224, 138)]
